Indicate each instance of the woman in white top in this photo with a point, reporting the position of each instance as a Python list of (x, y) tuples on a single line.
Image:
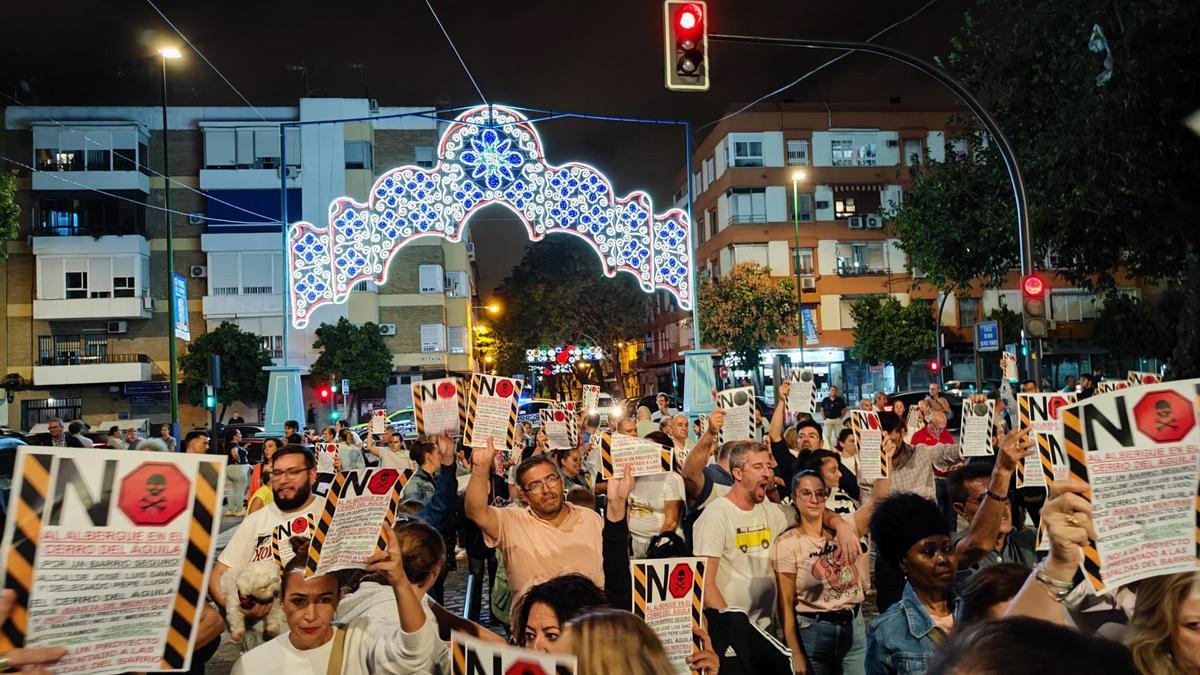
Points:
[(407, 642), (350, 454)]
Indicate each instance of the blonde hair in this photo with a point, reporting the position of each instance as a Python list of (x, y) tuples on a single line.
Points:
[(615, 641), (643, 414), (1155, 620), (789, 437)]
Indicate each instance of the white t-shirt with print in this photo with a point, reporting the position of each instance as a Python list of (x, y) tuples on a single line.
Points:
[(647, 506), (251, 541), (280, 656), (742, 540), (394, 459)]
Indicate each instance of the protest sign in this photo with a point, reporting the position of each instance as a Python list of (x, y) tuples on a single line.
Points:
[(1039, 412), (492, 412), (914, 423), (379, 421), (558, 433), (1008, 366), (644, 456), (977, 428), (802, 397), (326, 454), (470, 656), (108, 552), (281, 537), (571, 418), (1139, 450), (358, 506), (1136, 377), (591, 397), (1109, 386), (739, 414), (868, 435), (668, 594), (439, 406)]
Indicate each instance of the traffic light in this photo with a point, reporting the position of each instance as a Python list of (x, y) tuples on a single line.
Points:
[(685, 30), (933, 366), (333, 388), (334, 415), (210, 398), (1033, 307), (323, 392)]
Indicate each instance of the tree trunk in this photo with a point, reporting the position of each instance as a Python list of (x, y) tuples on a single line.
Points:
[(1185, 360)]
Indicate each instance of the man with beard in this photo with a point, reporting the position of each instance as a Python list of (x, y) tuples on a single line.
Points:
[(548, 538), (293, 472)]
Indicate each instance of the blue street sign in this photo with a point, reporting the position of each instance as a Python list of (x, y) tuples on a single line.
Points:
[(179, 297), (987, 336)]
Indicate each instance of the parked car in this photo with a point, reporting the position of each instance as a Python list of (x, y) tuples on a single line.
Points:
[(651, 402), (915, 396), (531, 411), (400, 420), (253, 436), (8, 459), (965, 387)]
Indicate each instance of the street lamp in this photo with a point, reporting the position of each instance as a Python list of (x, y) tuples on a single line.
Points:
[(797, 176), (169, 53)]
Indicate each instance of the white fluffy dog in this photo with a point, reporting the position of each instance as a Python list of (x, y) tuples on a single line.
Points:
[(258, 581)]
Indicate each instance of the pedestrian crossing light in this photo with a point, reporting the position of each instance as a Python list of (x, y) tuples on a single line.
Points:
[(1033, 307), (685, 31), (334, 415), (933, 366), (333, 388), (210, 397)]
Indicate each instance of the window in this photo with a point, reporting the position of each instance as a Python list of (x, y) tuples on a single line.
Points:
[(66, 217), (458, 339), (97, 160), (749, 205), (358, 155), (805, 204), (457, 285), (842, 151), (256, 273), (750, 253), (868, 154), (854, 150), (125, 159), (424, 156), (1072, 305), (861, 257), (430, 278), (847, 318), (958, 149), (273, 344), (914, 153), (968, 311), (123, 287), (713, 226), (797, 153), (77, 285), (802, 259), (710, 171), (433, 337), (844, 208), (747, 153)]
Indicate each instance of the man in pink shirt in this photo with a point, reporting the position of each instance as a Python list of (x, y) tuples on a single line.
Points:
[(546, 539)]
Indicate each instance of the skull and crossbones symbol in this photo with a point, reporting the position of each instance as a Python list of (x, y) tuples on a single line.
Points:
[(156, 485), (1164, 417)]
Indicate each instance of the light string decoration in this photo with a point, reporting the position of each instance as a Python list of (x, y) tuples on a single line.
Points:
[(561, 359), (488, 155)]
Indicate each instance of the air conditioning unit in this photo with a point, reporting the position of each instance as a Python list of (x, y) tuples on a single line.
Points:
[(855, 222), (195, 219), (874, 222), (471, 251), (893, 143), (293, 172), (387, 329), (808, 284), (147, 303), (198, 271), (118, 326), (373, 105)]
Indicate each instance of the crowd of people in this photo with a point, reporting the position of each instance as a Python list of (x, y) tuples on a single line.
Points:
[(798, 548)]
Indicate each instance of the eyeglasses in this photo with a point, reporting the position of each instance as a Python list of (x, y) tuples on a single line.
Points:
[(548, 483), (821, 495), (291, 473), (251, 601)]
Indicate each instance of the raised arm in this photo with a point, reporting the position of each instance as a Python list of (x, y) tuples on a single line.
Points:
[(445, 486), (985, 526), (1068, 520), (475, 502), (775, 433), (697, 459)]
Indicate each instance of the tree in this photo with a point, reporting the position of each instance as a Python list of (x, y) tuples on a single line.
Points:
[(558, 295), (1131, 328), (1010, 323), (10, 210), (1109, 167), (887, 331), (746, 311), (242, 361), (354, 352)]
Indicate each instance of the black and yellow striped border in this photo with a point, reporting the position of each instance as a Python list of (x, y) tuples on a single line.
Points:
[(30, 506), (322, 529), (1077, 462), (186, 614)]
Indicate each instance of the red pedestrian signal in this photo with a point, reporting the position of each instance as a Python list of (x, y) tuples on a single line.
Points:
[(933, 366), (685, 35)]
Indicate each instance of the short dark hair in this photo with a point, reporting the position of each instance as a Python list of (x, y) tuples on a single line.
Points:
[(527, 466), (75, 427), (193, 435), (967, 472), (987, 587), (291, 424), (310, 460), (567, 596), (814, 460), (1029, 381), (114, 429), (890, 422), (843, 435), (1086, 375), (420, 452), (809, 422), (1008, 646)]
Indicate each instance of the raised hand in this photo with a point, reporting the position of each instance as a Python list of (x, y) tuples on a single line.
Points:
[(1015, 447), (482, 458)]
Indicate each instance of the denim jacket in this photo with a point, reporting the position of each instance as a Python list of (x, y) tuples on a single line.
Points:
[(902, 639)]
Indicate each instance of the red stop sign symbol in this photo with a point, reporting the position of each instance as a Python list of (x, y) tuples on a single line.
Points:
[(299, 525), (154, 494), (559, 416), (504, 388), (1165, 416), (382, 481), (1053, 406), (447, 390), (681, 581), (524, 668), (873, 421)]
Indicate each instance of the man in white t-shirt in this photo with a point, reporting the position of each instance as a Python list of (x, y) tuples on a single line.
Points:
[(293, 473), (655, 506), (392, 456)]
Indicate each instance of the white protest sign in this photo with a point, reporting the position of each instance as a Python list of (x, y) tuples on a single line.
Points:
[(492, 412), (1108, 386), (358, 506), (109, 553), (802, 396), (868, 435), (739, 414), (644, 456), (470, 656), (1008, 366), (326, 453), (1136, 377), (379, 421), (1039, 412), (556, 428), (438, 406), (914, 423), (1139, 449), (976, 430), (281, 537), (591, 397), (668, 594)]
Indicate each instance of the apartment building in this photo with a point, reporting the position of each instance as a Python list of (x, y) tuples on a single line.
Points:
[(834, 171), (85, 332)]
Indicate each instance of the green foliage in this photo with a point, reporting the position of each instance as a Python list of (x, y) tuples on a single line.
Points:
[(887, 331), (1010, 323), (1129, 327), (355, 352), (746, 311), (10, 211), (242, 361)]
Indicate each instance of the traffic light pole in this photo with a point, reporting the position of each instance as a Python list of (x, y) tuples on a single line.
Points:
[(1024, 239)]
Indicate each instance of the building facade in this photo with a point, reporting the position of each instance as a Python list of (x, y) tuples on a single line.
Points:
[(85, 327)]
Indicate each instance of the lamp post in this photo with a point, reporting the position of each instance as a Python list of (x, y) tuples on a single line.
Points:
[(797, 176), (169, 53)]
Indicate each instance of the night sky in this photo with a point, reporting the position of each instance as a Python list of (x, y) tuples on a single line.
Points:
[(594, 57)]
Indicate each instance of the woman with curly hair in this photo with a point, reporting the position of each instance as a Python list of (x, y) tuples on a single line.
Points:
[(1164, 633)]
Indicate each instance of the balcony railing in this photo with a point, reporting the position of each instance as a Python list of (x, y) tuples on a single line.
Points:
[(77, 350), (52, 229), (851, 271), (749, 218)]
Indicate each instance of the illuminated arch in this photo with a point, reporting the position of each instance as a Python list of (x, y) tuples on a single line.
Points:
[(487, 156)]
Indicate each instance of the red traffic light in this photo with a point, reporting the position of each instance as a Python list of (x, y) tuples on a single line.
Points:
[(323, 392), (933, 366), (1033, 286), (689, 17)]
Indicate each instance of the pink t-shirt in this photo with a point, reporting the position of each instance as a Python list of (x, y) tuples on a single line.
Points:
[(536, 551), (823, 582)]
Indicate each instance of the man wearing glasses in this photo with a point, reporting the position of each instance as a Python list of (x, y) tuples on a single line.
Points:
[(548, 538), (293, 473)]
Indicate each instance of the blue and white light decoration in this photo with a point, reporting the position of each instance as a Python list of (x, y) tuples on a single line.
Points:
[(561, 359), (487, 156)]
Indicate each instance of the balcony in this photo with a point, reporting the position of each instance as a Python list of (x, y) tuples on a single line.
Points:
[(860, 271), (228, 302), (85, 359), (70, 309)]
